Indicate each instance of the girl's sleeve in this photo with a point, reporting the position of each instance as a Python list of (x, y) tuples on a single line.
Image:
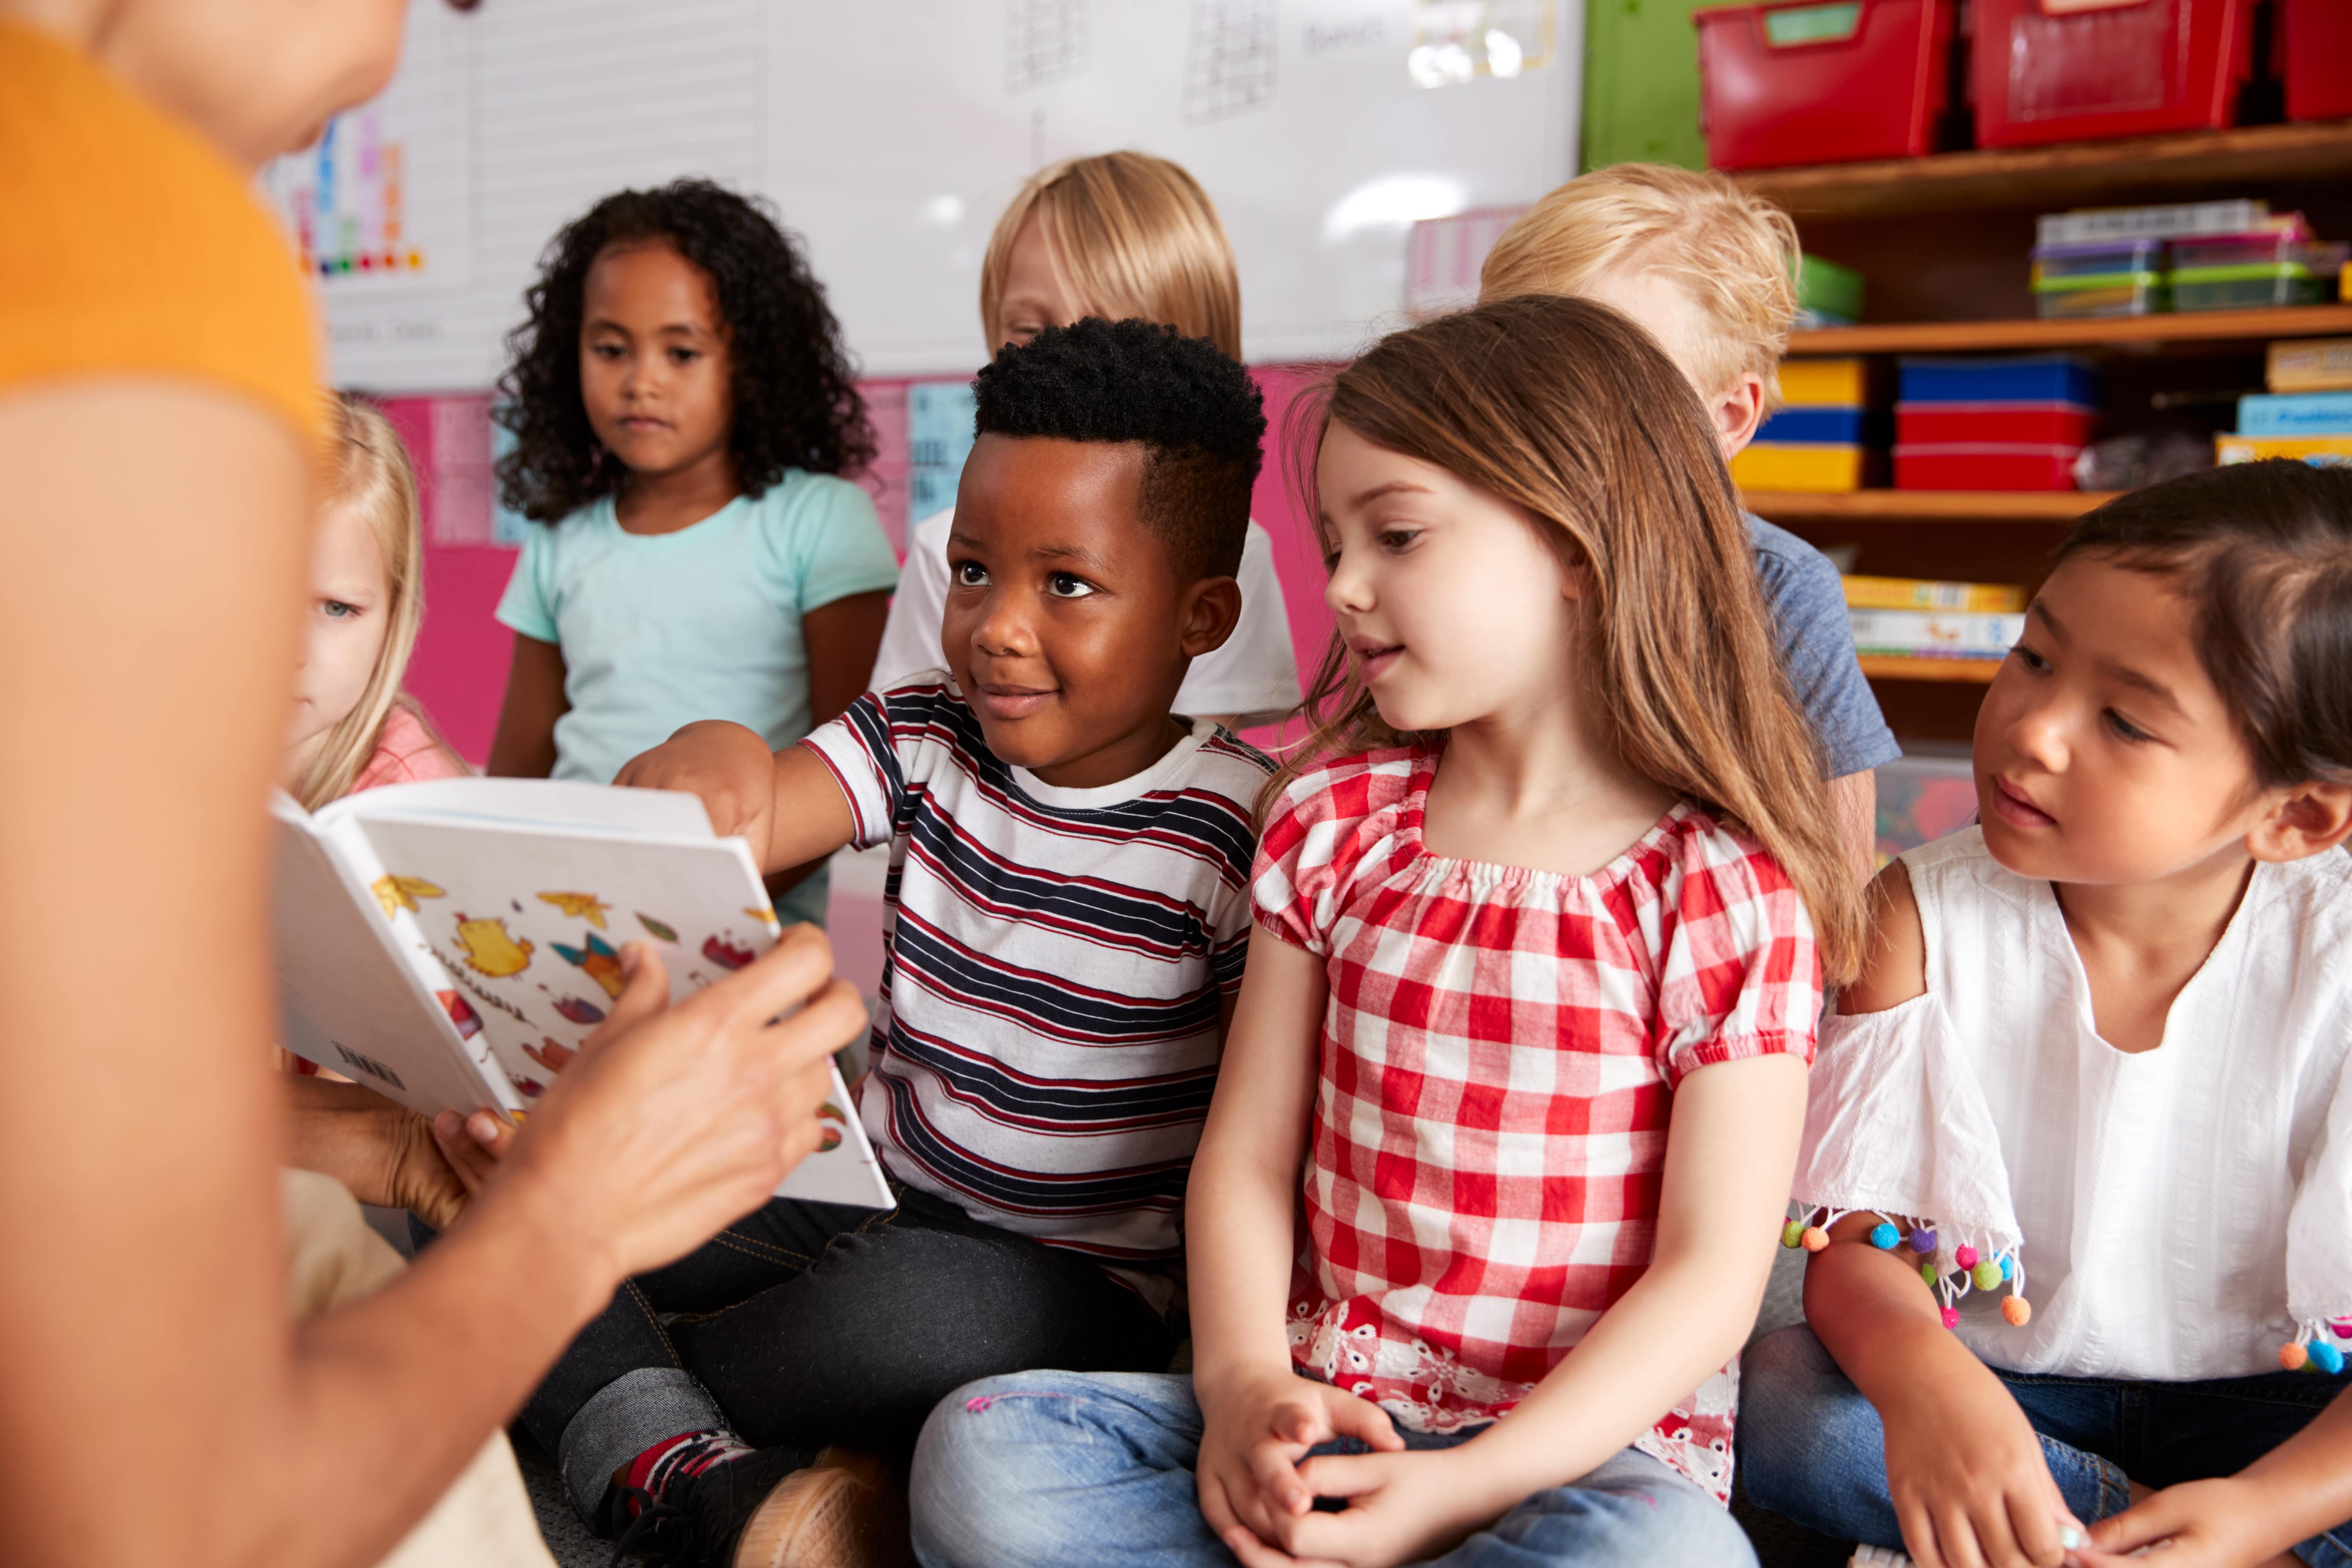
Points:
[(2319, 1225), (1895, 1122), (1294, 884), (1741, 977), (527, 607), (833, 545)]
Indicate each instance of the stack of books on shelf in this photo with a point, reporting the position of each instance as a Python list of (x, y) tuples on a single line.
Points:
[(2200, 256), (1815, 442), (1993, 424), (1908, 617), (2307, 413)]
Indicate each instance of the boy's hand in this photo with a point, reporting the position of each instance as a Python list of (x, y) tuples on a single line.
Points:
[(2220, 1523), (729, 766), (1255, 1429), (1403, 1507), (1970, 1485)]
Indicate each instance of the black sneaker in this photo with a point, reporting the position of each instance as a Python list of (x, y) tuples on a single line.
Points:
[(773, 1509)]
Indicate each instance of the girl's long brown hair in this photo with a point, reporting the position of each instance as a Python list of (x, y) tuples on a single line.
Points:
[(1569, 411)]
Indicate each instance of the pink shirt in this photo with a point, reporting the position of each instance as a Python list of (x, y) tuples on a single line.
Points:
[(406, 752)]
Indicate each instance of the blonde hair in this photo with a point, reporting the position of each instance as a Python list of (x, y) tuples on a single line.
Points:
[(1132, 236), (1566, 409), (1735, 253), (368, 470)]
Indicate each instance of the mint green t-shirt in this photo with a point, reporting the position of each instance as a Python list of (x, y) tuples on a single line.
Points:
[(659, 630)]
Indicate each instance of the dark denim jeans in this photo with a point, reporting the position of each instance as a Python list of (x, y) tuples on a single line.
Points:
[(1811, 1449), (812, 1323)]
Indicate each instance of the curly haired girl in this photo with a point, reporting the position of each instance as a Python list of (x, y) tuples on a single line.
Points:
[(683, 411)]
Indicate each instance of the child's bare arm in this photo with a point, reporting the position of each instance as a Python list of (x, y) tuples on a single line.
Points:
[(842, 638), (1963, 1464), (1259, 1415), (786, 805), (2296, 1490), (525, 745)]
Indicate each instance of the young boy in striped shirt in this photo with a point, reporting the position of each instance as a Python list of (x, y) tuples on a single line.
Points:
[(1067, 909)]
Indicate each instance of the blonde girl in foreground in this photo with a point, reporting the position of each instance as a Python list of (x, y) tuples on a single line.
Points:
[(1543, 918)]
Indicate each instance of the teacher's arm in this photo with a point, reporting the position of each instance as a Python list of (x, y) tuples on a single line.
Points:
[(155, 1398)]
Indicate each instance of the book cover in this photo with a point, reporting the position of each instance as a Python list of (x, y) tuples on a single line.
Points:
[(1922, 593)]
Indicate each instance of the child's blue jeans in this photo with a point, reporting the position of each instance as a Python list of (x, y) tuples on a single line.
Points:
[(1045, 1469), (1810, 1446)]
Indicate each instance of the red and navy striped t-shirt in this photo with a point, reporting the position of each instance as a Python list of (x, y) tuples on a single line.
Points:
[(1055, 963)]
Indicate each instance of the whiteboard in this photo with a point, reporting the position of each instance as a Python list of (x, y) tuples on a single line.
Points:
[(891, 133)]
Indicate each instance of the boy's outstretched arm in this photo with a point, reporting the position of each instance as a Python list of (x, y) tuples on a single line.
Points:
[(786, 805)]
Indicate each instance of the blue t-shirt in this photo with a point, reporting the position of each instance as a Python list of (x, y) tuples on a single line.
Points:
[(659, 630), (1816, 638)]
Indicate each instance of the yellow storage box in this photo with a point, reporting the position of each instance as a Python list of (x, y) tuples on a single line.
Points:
[(1777, 466), (1814, 383)]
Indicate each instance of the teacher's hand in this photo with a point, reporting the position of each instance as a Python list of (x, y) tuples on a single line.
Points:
[(676, 1121)]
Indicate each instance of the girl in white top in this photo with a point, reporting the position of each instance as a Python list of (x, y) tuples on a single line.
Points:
[(1120, 235), (2086, 1107)]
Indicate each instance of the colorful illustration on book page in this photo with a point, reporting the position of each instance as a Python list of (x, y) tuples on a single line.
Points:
[(579, 907), (834, 1127), (575, 1011), (461, 1013), (490, 951), (662, 928), (600, 961), (398, 893), (727, 954)]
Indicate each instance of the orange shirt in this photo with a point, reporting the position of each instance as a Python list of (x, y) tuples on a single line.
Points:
[(129, 245)]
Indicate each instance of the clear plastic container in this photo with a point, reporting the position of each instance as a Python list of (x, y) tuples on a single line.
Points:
[(2245, 288), (2054, 261), (2100, 294)]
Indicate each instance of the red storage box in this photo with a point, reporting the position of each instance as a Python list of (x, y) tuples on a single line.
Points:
[(1822, 81), (1989, 466), (2316, 54), (1995, 423), (2074, 70)]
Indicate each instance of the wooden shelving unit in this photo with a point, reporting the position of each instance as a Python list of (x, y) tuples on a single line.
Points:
[(1922, 506), (2075, 174), (2034, 335), (1942, 242), (1967, 671)]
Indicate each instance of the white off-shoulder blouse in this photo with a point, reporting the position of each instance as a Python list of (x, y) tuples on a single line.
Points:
[(2177, 1213)]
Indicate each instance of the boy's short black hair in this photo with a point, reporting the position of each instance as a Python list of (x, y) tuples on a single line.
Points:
[(1196, 412)]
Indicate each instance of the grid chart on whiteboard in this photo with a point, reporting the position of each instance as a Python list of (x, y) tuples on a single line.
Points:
[(384, 201), (1229, 61), (1045, 41)]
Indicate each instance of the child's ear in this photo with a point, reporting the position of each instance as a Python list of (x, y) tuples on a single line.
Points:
[(2304, 821), (1207, 615)]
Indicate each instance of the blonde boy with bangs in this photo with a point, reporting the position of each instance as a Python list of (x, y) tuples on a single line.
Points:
[(1119, 235), (1706, 267)]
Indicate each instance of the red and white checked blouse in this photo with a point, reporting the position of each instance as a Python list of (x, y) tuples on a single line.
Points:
[(1498, 1064)]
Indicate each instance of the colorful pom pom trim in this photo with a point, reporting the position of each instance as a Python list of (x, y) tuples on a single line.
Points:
[(2314, 1350), (1955, 1272)]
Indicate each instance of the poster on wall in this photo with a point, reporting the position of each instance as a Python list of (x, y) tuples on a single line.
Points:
[(383, 203)]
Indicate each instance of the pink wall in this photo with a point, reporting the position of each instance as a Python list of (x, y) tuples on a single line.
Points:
[(459, 669)]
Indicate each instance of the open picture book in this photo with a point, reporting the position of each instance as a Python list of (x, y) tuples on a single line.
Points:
[(449, 945)]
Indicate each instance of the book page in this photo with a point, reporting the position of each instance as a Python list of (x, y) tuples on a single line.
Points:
[(528, 919), (537, 803), (350, 1001)]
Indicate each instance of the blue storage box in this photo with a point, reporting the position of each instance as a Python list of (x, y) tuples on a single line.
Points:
[(1814, 424), (2295, 413), (2030, 378)]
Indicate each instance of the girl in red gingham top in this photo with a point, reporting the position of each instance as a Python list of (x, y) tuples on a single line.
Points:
[(1533, 991)]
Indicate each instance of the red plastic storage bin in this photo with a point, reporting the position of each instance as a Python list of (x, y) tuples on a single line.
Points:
[(2316, 51), (1987, 466), (1995, 423), (2074, 70), (1822, 81)]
